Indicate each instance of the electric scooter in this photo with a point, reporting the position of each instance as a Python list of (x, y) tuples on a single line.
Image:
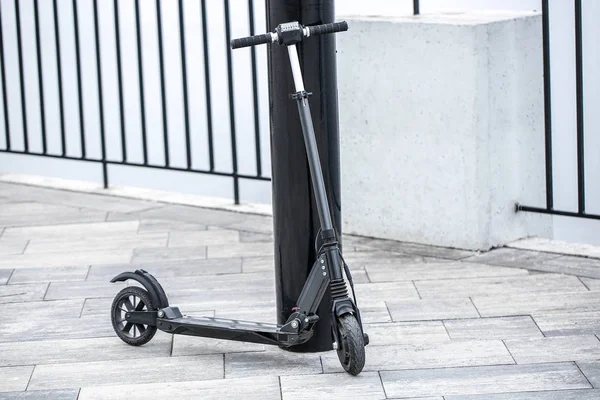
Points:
[(137, 313)]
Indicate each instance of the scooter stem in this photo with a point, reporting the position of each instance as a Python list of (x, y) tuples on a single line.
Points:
[(312, 151)]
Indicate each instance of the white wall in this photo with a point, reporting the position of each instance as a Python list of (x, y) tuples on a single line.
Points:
[(563, 93)]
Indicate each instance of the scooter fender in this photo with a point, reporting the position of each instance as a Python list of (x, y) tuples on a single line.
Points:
[(155, 290)]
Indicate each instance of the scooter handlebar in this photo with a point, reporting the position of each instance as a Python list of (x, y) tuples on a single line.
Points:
[(251, 41), (324, 29), (291, 33)]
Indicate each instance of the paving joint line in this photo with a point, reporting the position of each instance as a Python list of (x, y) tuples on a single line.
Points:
[(382, 385), (25, 248), (2, 232), (584, 375), (46, 292), (511, 355), (537, 326), (10, 276), (82, 307), (388, 311), (474, 306), (367, 274), (583, 283), (280, 388), (88, 273), (417, 290), (447, 331), (30, 376)]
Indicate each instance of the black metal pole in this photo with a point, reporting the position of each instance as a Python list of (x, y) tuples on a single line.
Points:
[(295, 216)]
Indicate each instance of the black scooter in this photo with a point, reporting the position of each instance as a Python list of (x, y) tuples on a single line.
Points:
[(137, 313)]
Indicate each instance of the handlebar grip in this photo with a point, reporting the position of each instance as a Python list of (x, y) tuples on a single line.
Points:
[(251, 41), (328, 28)]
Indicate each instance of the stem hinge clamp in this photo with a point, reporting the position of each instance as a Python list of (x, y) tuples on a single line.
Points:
[(300, 95)]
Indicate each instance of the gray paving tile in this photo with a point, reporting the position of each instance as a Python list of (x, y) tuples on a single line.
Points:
[(82, 290), (68, 394), (575, 323), (258, 264), (220, 283), (389, 272), (254, 388), (557, 246), (26, 328), (537, 303), (538, 284), (56, 274), (429, 355), (73, 231), (569, 265), (493, 328), (41, 309), (240, 250), (333, 386), (386, 291), (14, 378), (363, 259), (272, 362), (512, 257), (253, 237), (406, 333), (29, 214), (195, 215), (66, 258), (149, 240), (203, 238), (106, 373), (22, 292), (592, 372), (80, 350), (165, 225), (372, 311), (482, 380), (12, 246), (170, 268), (4, 275), (421, 310), (191, 345), (148, 255), (417, 249), (554, 349), (578, 394), (249, 313), (252, 223)]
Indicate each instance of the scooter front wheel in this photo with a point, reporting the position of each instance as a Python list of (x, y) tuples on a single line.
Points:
[(351, 349), (132, 299)]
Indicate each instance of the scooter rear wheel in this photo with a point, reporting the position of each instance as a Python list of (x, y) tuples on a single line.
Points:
[(351, 350), (132, 299)]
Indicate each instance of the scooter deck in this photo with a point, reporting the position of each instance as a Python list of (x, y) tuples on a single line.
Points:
[(230, 329)]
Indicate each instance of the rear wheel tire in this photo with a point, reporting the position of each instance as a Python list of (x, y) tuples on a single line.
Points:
[(132, 299), (351, 349)]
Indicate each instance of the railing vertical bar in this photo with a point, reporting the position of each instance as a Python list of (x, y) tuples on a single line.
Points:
[(22, 77), (36, 16), (236, 189), (255, 91), (4, 93), (79, 84), (140, 57), (163, 90), (416, 7), (209, 127), (580, 121), (61, 108), (120, 80), (186, 111), (100, 94), (547, 104)]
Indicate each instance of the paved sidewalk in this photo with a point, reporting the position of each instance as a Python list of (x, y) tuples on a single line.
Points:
[(444, 324)]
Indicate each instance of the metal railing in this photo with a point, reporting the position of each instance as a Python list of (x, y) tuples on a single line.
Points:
[(124, 159), (579, 88)]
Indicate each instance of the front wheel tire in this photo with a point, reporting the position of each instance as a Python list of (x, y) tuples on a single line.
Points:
[(132, 298), (351, 349)]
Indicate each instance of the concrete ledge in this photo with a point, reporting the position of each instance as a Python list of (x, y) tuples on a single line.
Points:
[(442, 128)]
